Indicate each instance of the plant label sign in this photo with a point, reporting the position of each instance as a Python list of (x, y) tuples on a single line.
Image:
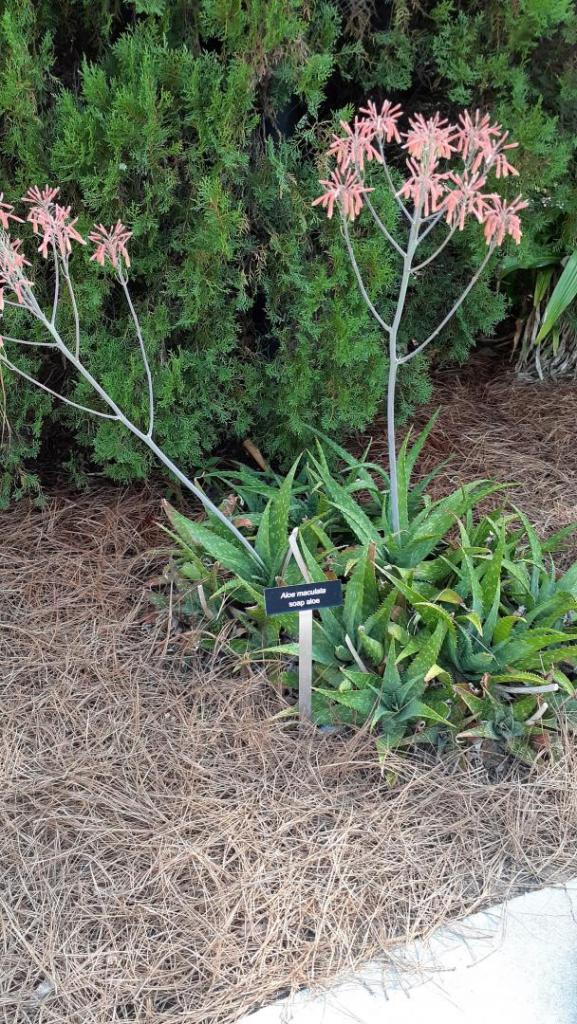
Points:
[(303, 597)]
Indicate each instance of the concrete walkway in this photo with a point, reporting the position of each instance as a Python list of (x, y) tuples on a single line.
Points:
[(514, 964)]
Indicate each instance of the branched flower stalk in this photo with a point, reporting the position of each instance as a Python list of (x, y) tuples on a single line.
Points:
[(56, 228), (448, 165)]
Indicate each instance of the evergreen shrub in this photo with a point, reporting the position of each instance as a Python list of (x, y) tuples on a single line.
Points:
[(202, 125)]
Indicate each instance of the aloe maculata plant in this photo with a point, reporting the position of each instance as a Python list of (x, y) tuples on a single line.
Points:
[(442, 633), (447, 184), (463, 632)]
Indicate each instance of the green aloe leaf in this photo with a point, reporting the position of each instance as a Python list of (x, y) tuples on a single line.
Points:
[(545, 660), (503, 628), (491, 581), (391, 677), (361, 701), (555, 540), (426, 711), (518, 677), (279, 519), (358, 521), (568, 581), (470, 583), (272, 537), (428, 653), (481, 707), (419, 444), (371, 649), (361, 594), (512, 264), (536, 552), (406, 461), (262, 540), (377, 623), (228, 554), (418, 600)]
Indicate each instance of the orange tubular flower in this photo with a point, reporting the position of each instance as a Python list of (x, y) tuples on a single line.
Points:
[(430, 139), (348, 191), (383, 123), (424, 186), (465, 199), (355, 147), (475, 135), (6, 213), (52, 221), (496, 160), (12, 263), (502, 219), (110, 243)]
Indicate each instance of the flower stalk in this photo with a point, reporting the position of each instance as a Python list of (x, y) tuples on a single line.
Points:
[(53, 223), (434, 191)]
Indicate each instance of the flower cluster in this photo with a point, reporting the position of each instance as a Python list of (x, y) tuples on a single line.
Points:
[(55, 226), (431, 187), (12, 263), (110, 243), (52, 221), (483, 145), (348, 191)]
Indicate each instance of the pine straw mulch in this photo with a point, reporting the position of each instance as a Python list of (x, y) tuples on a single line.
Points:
[(494, 425), (169, 852)]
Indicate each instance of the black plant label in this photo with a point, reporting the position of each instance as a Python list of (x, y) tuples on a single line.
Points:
[(303, 597)]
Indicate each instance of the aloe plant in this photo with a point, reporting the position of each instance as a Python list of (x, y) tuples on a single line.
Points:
[(393, 702), (207, 552), (422, 523)]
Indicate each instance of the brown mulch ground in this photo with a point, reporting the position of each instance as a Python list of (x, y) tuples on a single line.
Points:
[(169, 853)]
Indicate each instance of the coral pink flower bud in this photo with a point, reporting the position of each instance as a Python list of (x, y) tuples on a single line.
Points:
[(347, 191), (6, 213), (12, 263), (465, 198), (355, 147), (430, 139), (502, 219), (383, 123), (52, 221), (424, 186), (475, 135), (110, 243)]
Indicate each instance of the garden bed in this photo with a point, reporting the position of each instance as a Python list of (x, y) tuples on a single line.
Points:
[(170, 851)]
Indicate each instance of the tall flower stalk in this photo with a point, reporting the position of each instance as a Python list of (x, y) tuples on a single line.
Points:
[(57, 231), (448, 166)]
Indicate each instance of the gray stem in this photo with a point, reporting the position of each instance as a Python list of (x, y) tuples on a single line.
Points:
[(411, 355), (437, 251), (136, 322), (394, 363), (391, 183), (145, 438), (358, 276), (25, 341), (55, 394), (434, 219), (74, 310), (56, 284), (382, 227)]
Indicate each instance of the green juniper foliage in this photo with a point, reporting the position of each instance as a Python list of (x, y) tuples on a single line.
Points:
[(200, 123)]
